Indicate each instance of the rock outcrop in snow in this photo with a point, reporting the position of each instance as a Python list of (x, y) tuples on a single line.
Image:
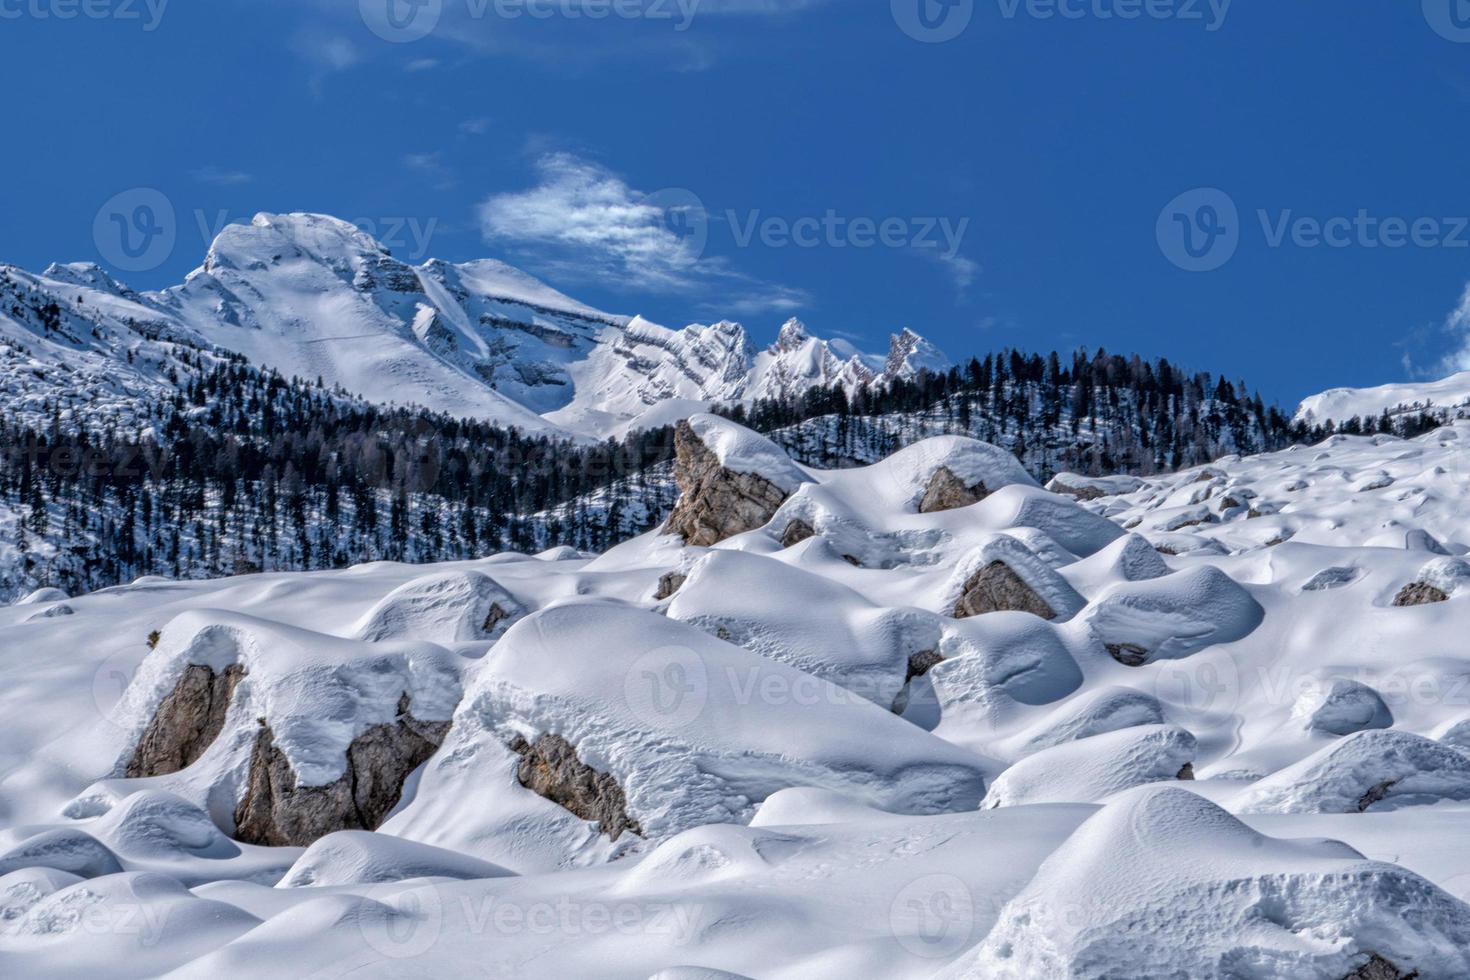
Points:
[(731, 480)]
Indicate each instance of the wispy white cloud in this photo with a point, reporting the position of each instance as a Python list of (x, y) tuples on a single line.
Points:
[(325, 54), (421, 64), (582, 220), (475, 127), (221, 177), (432, 167), (1457, 324)]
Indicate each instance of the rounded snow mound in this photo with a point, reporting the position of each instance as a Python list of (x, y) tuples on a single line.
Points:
[(1095, 768), (1163, 883), (1068, 523), (694, 730), (1173, 617), (1340, 706), (43, 595), (1098, 712), (453, 607), (1129, 559), (994, 663), (905, 477), (1370, 770), (358, 857), (807, 621)]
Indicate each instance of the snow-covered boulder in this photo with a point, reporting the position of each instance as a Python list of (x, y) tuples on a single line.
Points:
[(731, 480), (1339, 706), (301, 732), (1087, 488), (1163, 883), (1437, 582), (452, 607), (1375, 769), (692, 730), (807, 621), (1092, 769), (950, 472), (1096, 712), (1003, 575), (1066, 522), (1172, 617)]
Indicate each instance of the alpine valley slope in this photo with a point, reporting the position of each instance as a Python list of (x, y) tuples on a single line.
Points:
[(313, 296), (920, 719)]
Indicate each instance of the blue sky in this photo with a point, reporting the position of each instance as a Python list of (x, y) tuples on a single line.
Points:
[(1028, 182)]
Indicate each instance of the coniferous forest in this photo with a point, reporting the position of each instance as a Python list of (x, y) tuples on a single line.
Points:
[(245, 470)]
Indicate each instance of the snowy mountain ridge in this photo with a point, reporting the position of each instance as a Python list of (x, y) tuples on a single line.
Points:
[(314, 296)]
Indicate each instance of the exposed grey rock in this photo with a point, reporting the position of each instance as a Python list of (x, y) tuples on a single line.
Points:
[(669, 584), (1378, 968), (1419, 594), (921, 663), (550, 768), (947, 492), (796, 532), (995, 588), (1128, 654), (716, 503), (1376, 794), (277, 812), (919, 666), (495, 617), (187, 722), (1187, 773)]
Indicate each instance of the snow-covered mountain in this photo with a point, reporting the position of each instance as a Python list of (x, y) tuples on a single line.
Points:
[(1341, 404), (314, 296)]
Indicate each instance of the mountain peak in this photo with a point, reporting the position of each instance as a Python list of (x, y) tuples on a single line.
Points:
[(793, 335)]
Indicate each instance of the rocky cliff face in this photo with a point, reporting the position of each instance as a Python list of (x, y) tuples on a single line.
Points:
[(716, 503), (277, 812)]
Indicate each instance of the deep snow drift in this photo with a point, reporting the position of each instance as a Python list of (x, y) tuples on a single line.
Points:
[(926, 719)]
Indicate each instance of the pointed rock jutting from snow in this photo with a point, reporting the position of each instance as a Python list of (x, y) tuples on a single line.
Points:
[(731, 480)]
